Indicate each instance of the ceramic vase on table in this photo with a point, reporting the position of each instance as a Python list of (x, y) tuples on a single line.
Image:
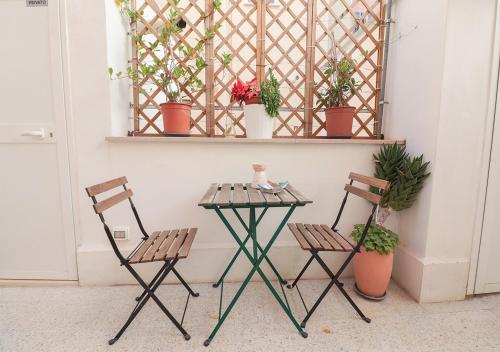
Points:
[(259, 177)]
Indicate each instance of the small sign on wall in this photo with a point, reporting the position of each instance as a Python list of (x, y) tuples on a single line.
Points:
[(36, 3)]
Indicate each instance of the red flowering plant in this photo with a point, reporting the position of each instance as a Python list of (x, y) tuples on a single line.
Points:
[(244, 91)]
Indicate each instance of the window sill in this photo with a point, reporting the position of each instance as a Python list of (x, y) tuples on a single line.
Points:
[(252, 141)]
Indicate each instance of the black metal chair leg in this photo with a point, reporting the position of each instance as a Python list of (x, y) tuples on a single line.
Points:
[(340, 285), (191, 292), (366, 319), (301, 273), (138, 298), (316, 304), (144, 297), (150, 293)]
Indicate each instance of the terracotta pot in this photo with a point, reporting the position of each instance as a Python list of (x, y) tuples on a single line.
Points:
[(339, 121), (176, 118), (252, 100), (372, 272)]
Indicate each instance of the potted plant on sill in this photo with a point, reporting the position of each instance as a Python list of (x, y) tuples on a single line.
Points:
[(339, 115), (260, 105), (175, 66), (407, 175)]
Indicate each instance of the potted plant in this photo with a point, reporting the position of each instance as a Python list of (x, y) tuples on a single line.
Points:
[(260, 105), (339, 115), (407, 174), (175, 66)]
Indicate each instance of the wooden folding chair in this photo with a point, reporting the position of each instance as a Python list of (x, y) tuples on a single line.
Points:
[(168, 246), (318, 238)]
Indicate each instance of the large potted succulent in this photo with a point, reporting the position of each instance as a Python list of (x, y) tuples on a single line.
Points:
[(175, 66), (260, 105), (407, 175), (339, 115)]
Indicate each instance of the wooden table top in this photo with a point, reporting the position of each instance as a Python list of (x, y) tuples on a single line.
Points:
[(239, 194)]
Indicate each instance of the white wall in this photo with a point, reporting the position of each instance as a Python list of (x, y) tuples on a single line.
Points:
[(438, 91), (169, 178)]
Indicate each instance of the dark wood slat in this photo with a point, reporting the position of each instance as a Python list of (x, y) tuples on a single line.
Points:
[(151, 252), (179, 240), (286, 198), (209, 196), (106, 186), (341, 240), (223, 197), (300, 238), (369, 196), (371, 181), (310, 238), (319, 237), (165, 246), (335, 244), (254, 196), (111, 201), (186, 246), (136, 258), (270, 198), (300, 198), (240, 196)]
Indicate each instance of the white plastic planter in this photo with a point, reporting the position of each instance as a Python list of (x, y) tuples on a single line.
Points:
[(257, 122)]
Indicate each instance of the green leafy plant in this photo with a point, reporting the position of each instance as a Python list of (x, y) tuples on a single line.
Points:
[(174, 66), (342, 85), (270, 95), (405, 173), (378, 238)]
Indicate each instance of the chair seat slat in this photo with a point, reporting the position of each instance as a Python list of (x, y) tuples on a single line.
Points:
[(165, 246), (300, 238), (179, 240), (309, 237), (186, 246), (136, 258), (335, 244), (341, 240), (150, 253), (319, 237)]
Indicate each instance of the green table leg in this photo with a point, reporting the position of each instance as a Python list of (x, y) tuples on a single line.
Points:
[(255, 268), (280, 279)]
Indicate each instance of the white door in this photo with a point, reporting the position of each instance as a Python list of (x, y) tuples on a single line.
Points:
[(488, 269), (36, 226)]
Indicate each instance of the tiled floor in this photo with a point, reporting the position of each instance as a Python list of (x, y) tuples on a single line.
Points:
[(83, 319)]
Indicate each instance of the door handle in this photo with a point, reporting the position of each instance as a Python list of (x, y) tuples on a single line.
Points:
[(36, 133)]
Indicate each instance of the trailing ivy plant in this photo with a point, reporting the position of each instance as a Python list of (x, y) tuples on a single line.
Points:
[(270, 95), (378, 238), (175, 66)]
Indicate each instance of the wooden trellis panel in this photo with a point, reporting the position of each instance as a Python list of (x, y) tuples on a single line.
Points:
[(152, 14), (356, 27), (290, 36)]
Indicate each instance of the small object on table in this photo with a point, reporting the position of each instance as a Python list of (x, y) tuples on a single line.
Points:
[(259, 176)]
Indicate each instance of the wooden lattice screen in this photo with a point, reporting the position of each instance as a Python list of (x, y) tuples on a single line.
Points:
[(291, 37)]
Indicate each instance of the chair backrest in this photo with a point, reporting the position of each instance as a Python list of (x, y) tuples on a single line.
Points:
[(373, 197), (370, 196), (107, 203)]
